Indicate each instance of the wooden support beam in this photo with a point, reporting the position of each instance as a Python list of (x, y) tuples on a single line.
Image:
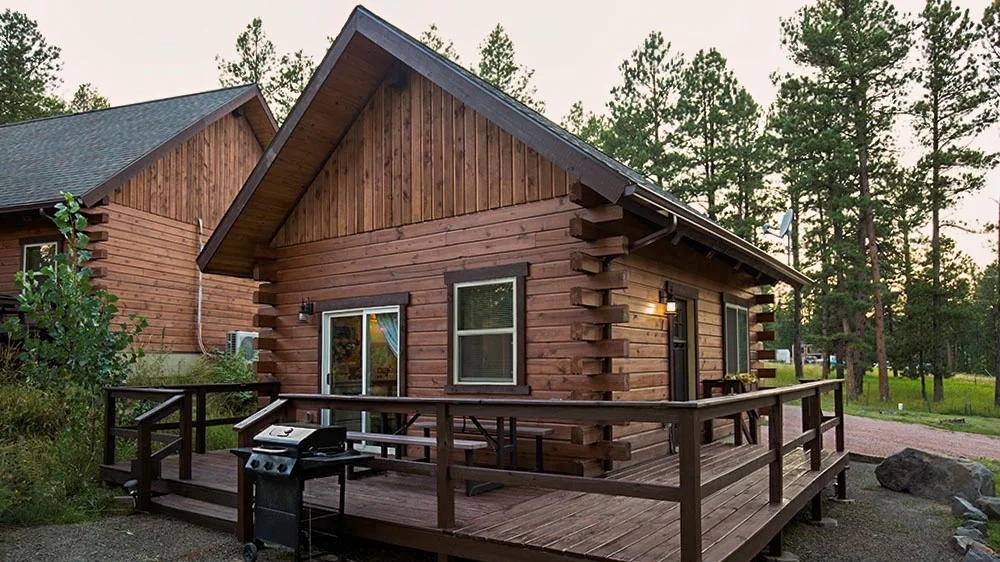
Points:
[(602, 214), (586, 366), (583, 331), (611, 314), (263, 297), (261, 252), (586, 263), (98, 272), (609, 382), (265, 367), (579, 296), (585, 230), (764, 354), (767, 373), (269, 344), (764, 317), (613, 246), (606, 281), (763, 299), (98, 254), (766, 335), (98, 218), (98, 235), (585, 197), (264, 273), (265, 321)]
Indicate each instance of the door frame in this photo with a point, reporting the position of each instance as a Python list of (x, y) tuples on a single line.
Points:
[(690, 294)]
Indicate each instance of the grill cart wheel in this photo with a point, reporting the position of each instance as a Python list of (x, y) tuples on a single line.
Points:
[(249, 552)]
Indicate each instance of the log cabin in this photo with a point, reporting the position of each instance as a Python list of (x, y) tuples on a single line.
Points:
[(155, 179), (417, 232)]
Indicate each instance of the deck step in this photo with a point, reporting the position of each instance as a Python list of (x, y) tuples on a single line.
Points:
[(197, 512)]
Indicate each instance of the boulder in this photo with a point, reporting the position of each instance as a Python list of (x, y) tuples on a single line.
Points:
[(982, 548), (963, 508), (974, 555), (963, 544), (967, 532), (934, 476), (990, 506), (981, 526)]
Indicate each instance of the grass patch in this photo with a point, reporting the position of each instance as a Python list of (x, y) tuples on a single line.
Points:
[(967, 407)]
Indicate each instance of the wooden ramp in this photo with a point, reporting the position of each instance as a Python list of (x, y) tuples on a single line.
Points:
[(522, 523)]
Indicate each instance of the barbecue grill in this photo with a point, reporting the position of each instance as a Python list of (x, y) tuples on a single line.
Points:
[(282, 459)]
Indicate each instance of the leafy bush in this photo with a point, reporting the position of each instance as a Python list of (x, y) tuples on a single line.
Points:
[(28, 410)]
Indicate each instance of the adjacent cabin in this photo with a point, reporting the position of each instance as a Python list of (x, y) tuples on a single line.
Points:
[(417, 232), (155, 179)]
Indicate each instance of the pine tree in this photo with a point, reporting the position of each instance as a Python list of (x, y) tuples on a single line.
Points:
[(433, 39), (585, 124), (281, 79), (952, 110), (641, 121), (498, 66), (991, 44), (857, 49), (87, 98), (29, 70), (749, 201)]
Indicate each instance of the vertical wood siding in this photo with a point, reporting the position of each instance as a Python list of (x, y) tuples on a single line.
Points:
[(418, 154)]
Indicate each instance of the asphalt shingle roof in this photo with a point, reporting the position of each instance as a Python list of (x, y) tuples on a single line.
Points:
[(80, 152)]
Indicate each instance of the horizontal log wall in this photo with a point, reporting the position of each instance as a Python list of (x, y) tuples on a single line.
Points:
[(151, 267), (648, 363), (414, 259), (416, 154)]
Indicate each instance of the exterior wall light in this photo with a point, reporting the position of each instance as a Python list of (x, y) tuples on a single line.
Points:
[(305, 310)]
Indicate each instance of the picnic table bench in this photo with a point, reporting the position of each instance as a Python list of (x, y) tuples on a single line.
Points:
[(385, 439), (496, 434)]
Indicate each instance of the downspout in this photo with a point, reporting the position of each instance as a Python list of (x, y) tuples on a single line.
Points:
[(201, 246)]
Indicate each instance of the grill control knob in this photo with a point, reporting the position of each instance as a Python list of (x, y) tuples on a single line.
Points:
[(281, 468), (254, 463), (268, 465)]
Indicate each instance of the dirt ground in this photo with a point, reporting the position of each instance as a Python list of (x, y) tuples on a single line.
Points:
[(879, 526)]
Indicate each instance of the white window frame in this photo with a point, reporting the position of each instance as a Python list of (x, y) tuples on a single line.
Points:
[(456, 333), (26, 247), (745, 311), (325, 353)]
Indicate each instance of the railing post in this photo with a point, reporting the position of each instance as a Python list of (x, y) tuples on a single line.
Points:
[(184, 463), (775, 442), (144, 467), (838, 405), (199, 426), (690, 484), (109, 423), (445, 487), (816, 420)]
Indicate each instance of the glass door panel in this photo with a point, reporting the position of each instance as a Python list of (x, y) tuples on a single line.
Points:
[(345, 366), (382, 366)]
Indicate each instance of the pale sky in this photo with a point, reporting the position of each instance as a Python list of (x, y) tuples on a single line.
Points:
[(139, 50)]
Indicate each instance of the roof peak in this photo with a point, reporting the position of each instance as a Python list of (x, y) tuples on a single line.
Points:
[(134, 104)]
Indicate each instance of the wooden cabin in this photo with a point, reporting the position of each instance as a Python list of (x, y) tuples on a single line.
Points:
[(155, 178), (419, 233)]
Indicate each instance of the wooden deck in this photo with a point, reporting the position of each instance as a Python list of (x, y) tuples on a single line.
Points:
[(537, 524)]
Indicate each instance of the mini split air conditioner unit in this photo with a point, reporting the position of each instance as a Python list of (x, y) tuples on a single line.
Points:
[(241, 343)]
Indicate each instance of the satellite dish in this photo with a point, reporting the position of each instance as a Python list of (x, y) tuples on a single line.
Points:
[(786, 222)]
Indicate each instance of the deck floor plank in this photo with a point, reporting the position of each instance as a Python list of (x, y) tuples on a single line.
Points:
[(580, 525)]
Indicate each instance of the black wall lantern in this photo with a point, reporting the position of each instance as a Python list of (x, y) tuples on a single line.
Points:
[(305, 310)]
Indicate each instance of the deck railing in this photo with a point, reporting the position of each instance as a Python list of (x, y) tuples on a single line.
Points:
[(186, 399), (689, 417)]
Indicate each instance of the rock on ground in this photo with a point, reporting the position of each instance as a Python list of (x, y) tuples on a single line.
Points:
[(935, 476), (963, 508), (990, 506), (978, 556)]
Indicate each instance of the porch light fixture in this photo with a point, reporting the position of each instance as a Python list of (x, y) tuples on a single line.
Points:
[(305, 310), (667, 298)]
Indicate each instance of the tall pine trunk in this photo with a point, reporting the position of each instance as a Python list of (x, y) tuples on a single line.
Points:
[(996, 323), (936, 351), (797, 298)]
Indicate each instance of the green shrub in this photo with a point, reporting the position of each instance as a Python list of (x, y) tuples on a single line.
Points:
[(28, 410)]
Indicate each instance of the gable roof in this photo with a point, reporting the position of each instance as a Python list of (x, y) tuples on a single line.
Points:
[(92, 153), (368, 47)]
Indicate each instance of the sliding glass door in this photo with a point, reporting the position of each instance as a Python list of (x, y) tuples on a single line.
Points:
[(361, 358)]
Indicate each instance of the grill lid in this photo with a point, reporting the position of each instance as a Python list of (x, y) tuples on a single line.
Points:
[(301, 438)]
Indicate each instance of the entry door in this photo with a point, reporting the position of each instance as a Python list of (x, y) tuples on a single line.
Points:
[(360, 358), (680, 367)]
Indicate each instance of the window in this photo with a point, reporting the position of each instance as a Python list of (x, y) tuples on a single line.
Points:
[(486, 336), (737, 323), (485, 326), (35, 256)]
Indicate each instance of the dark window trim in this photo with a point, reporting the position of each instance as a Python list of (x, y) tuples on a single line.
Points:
[(486, 273), (738, 301), (519, 271), (728, 299), (691, 294), (683, 291), (36, 240), (391, 299)]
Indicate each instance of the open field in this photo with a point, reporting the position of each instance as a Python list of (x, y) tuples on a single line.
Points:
[(967, 406)]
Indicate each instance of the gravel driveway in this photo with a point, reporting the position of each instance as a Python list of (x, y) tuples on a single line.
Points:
[(882, 438)]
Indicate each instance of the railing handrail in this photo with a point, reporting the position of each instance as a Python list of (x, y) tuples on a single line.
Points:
[(211, 387), (160, 411)]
